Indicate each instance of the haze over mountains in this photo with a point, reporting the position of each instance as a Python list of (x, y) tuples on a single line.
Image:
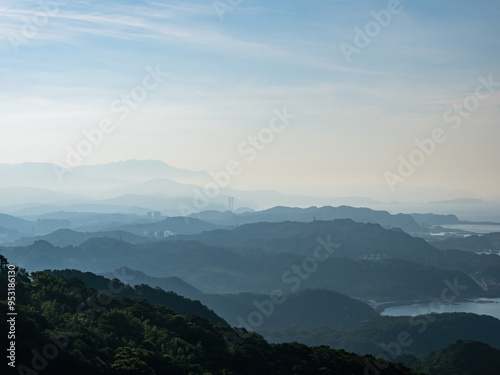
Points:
[(318, 276), (291, 268), (234, 187), (315, 275), (135, 186)]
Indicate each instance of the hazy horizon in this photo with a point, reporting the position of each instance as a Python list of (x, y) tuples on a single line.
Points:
[(256, 182), (63, 179), (388, 100)]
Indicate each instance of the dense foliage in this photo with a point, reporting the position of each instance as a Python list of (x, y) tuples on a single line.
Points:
[(64, 327), (464, 358), (157, 296)]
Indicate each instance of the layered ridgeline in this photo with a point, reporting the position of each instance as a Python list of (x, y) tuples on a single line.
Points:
[(323, 270), (36, 226), (155, 296), (360, 260), (401, 338), (64, 326), (358, 241), (214, 269), (320, 317), (305, 308), (280, 214), (73, 228), (68, 237), (139, 232)]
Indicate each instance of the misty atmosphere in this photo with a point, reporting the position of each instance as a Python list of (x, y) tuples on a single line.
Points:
[(238, 187)]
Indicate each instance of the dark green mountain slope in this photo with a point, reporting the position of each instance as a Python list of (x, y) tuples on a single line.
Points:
[(462, 357), (64, 327), (379, 335), (308, 308), (156, 296), (174, 284)]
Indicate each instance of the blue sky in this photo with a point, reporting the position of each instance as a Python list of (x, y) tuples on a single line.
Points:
[(226, 76)]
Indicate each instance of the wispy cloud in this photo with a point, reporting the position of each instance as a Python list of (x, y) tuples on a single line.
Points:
[(226, 77)]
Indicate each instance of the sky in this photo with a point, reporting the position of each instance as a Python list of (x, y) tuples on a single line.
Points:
[(392, 100)]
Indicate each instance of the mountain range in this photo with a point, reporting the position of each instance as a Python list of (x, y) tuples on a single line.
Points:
[(316, 276), (357, 259), (13, 228), (138, 186)]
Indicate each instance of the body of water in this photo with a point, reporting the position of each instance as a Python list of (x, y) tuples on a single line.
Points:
[(475, 228), (480, 306)]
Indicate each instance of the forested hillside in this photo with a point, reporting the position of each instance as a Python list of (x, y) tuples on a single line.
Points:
[(63, 324), (464, 357)]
